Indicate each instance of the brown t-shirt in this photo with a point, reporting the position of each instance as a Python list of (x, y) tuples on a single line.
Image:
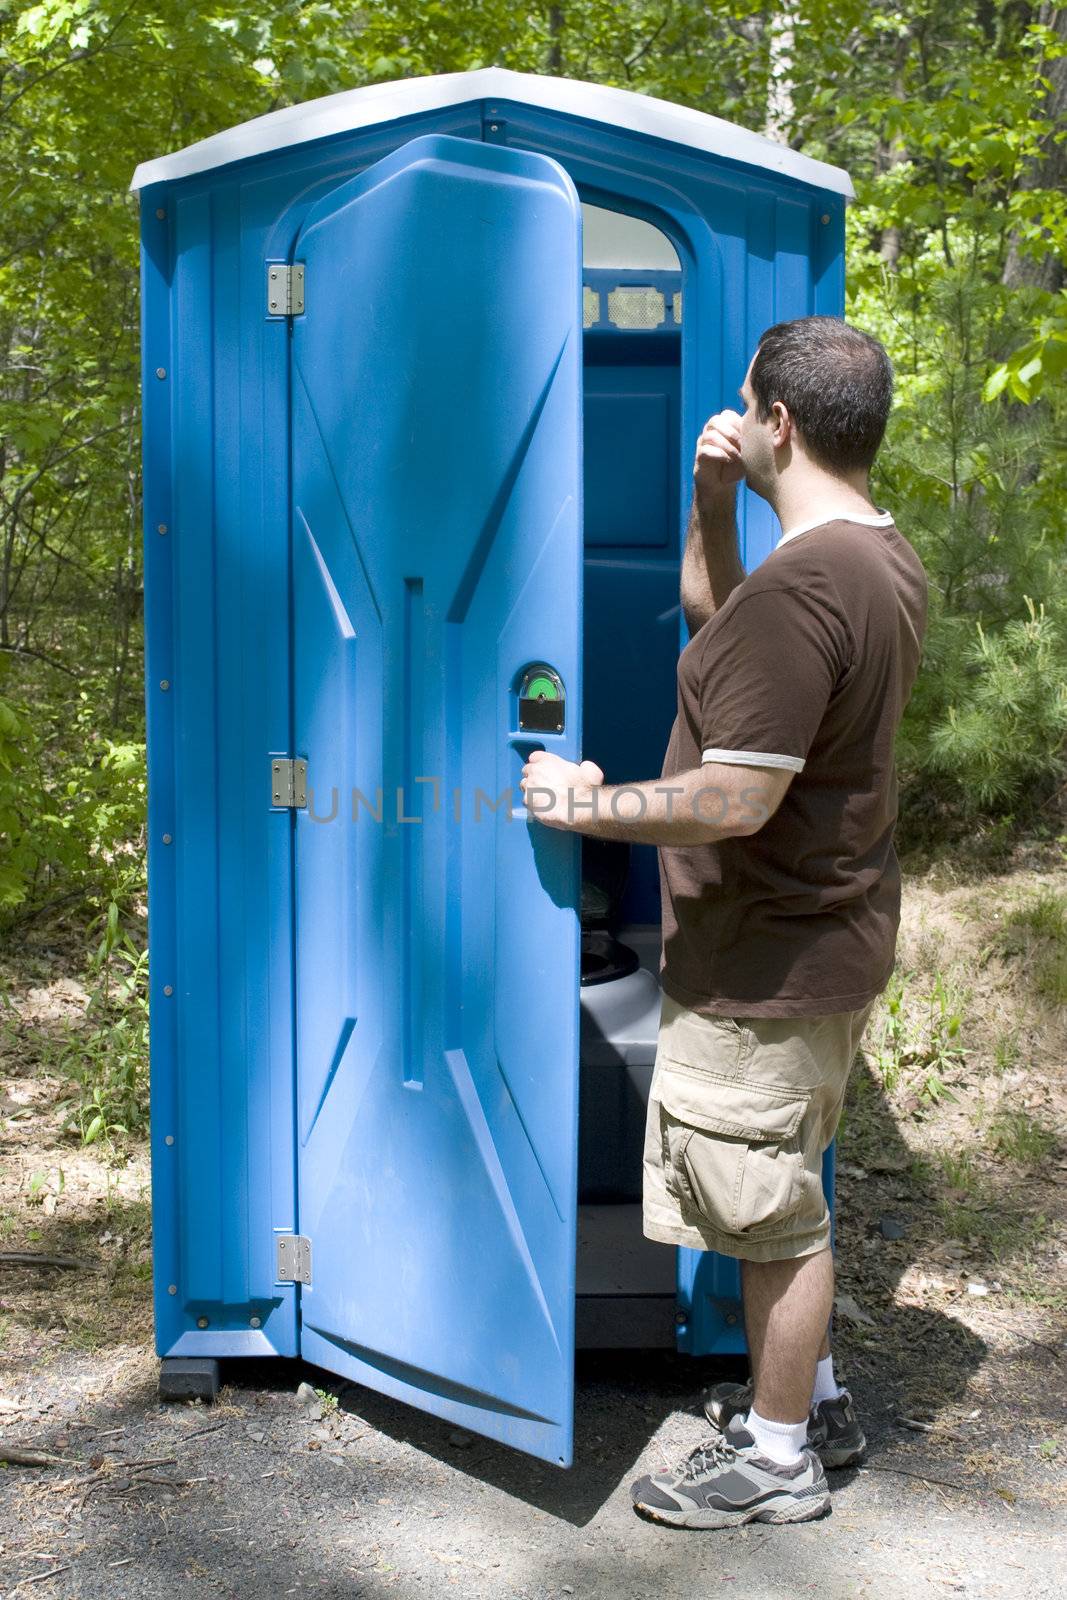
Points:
[(808, 665)]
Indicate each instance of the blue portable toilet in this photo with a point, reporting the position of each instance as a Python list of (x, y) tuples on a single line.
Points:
[(398, 440)]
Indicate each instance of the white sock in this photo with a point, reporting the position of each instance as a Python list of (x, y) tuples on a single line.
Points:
[(826, 1385), (782, 1441)]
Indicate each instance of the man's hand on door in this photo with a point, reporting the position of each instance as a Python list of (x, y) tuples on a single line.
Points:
[(559, 793)]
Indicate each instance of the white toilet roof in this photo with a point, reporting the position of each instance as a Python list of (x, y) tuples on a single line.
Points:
[(385, 102)]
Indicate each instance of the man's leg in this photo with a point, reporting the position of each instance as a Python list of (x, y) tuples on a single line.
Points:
[(787, 1315)]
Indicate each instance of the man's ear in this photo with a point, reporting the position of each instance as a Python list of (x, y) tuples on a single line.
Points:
[(783, 425)]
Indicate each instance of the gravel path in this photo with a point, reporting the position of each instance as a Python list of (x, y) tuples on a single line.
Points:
[(266, 1494)]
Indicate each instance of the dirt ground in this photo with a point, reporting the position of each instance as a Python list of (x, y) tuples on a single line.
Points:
[(951, 1330)]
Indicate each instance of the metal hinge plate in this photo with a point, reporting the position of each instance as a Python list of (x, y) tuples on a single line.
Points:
[(293, 1258), (285, 289), (288, 781)]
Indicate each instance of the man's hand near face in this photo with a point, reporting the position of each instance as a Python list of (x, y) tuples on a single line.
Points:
[(711, 565), (717, 465)]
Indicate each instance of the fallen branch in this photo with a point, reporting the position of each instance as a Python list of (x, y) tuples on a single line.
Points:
[(122, 1476), (200, 1432), (34, 1258), (902, 1472), (15, 1456), (39, 1577), (930, 1427)]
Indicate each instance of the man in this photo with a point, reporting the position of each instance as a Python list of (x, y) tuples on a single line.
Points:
[(774, 816)]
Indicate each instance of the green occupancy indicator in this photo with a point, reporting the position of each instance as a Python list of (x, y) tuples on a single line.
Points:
[(541, 688)]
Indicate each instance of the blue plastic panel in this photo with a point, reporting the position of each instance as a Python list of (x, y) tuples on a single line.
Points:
[(633, 553), (627, 436), (217, 693), (436, 403)]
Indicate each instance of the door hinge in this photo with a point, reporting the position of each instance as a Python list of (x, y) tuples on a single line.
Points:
[(285, 289), (293, 1258), (288, 781)]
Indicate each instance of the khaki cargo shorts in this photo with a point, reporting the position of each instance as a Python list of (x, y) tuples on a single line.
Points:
[(740, 1112)]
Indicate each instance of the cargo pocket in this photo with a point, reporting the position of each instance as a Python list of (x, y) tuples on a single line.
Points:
[(731, 1155)]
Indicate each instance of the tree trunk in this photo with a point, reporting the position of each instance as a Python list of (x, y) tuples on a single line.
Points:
[(891, 152), (782, 43), (1047, 171), (555, 34)]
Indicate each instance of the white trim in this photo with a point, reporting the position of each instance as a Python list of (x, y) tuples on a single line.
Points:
[(880, 519), (386, 102), (753, 758)]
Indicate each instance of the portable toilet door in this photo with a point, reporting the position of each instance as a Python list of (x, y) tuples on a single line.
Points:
[(362, 355), (436, 430)]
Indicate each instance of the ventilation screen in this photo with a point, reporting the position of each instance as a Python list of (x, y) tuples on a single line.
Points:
[(636, 306)]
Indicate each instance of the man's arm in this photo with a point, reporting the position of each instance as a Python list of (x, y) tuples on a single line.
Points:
[(711, 565), (718, 800)]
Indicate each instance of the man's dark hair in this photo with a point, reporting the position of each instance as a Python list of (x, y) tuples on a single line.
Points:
[(835, 382)]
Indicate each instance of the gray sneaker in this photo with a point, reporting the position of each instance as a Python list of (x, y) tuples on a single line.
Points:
[(834, 1432), (725, 1481)]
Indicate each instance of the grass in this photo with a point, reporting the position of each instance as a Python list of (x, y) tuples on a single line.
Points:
[(963, 1196), (918, 1043), (1044, 916), (1029, 1286), (975, 1209), (1018, 1137), (1050, 976), (958, 1170), (1035, 932), (925, 953), (986, 1225), (1006, 1052)]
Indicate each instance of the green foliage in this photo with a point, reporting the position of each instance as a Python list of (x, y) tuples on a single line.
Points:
[(892, 1047), (106, 1056), (1004, 733), (1042, 360), (949, 222), (916, 1039), (19, 856)]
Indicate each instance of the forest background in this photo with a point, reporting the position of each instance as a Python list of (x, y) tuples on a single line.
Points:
[(949, 118)]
